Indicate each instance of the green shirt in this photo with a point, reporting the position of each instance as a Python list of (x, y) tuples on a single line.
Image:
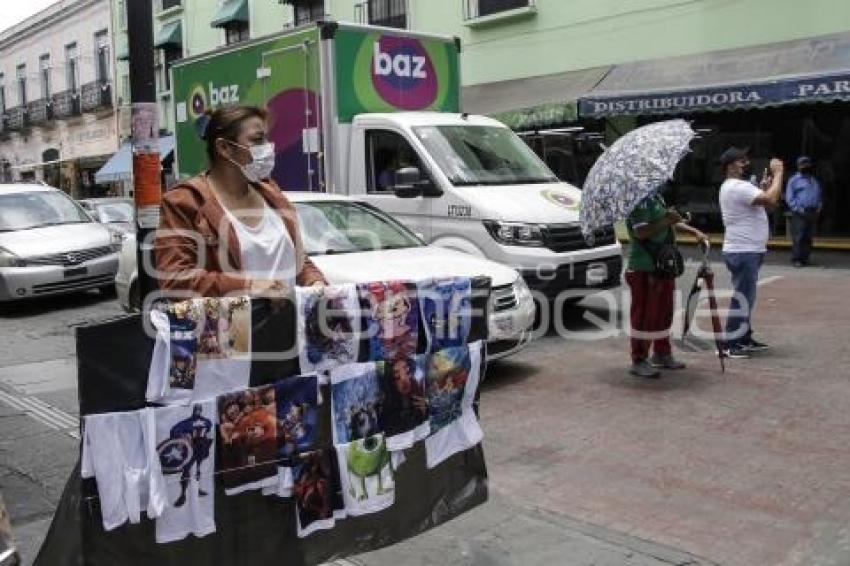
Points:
[(650, 210)]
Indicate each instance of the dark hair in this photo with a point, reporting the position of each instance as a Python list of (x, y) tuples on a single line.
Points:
[(226, 122)]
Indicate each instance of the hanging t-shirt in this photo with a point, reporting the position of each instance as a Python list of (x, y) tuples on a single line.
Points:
[(446, 311), (247, 424), (317, 491), (119, 451), (357, 402), (297, 427), (366, 474), (393, 319), (202, 349), (405, 401), (328, 326), (185, 445), (453, 376)]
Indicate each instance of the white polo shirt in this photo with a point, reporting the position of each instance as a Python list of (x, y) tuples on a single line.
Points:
[(746, 225)]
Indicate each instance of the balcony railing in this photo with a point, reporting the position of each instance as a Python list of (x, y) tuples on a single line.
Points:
[(66, 104), (96, 96), (17, 118), (40, 111)]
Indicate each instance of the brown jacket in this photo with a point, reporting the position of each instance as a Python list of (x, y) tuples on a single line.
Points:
[(192, 208)]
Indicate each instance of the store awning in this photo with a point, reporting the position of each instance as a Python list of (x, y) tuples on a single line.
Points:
[(120, 165), (792, 72), (535, 102), (230, 12), (171, 34)]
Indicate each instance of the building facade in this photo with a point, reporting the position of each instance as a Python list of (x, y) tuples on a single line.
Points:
[(56, 97), (569, 75)]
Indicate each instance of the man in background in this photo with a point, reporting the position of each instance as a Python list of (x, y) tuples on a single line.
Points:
[(742, 205), (804, 198)]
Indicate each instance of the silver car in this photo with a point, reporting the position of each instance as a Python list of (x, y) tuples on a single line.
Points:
[(117, 213), (49, 245)]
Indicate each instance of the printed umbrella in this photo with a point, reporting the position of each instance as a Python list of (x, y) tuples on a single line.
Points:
[(631, 169), (706, 275)]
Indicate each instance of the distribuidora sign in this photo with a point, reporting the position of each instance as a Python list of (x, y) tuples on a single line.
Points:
[(812, 89)]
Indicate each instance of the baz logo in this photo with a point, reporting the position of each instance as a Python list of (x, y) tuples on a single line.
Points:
[(223, 95), (401, 65)]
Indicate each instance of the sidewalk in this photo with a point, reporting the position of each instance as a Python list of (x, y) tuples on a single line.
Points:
[(501, 534)]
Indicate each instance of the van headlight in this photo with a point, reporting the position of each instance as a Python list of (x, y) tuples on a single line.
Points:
[(8, 259), (515, 233)]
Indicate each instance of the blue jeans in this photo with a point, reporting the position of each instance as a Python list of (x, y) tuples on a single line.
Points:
[(744, 268)]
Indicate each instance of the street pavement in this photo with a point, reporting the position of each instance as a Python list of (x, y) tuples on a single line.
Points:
[(587, 464)]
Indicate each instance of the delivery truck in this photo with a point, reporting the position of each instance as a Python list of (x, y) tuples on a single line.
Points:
[(375, 113)]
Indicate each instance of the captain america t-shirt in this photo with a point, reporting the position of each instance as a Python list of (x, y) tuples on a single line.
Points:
[(185, 437)]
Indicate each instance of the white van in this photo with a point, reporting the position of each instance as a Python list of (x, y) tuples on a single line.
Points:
[(374, 113), (469, 183)]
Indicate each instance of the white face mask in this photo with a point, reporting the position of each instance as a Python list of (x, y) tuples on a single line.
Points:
[(262, 162)]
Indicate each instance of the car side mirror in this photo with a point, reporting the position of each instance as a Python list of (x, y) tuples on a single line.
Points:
[(410, 184)]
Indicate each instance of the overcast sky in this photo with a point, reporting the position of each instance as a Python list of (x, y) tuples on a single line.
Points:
[(14, 11)]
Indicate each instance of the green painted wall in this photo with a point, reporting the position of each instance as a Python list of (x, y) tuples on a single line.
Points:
[(566, 35), (561, 35)]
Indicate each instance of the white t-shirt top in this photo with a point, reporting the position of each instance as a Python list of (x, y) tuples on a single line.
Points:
[(746, 225), (267, 250)]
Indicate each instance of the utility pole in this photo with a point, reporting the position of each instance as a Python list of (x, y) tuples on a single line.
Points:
[(147, 176)]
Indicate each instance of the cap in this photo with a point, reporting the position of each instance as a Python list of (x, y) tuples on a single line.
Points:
[(804, 160), (733, 154)]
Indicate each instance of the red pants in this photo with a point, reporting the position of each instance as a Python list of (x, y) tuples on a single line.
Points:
[(651, 312)]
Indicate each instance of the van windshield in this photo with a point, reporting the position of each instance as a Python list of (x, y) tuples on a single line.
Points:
[(483, 155)]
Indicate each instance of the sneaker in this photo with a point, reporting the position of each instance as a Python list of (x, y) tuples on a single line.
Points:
[(644, 369), (756, 346), (736, 353), (666, 361)]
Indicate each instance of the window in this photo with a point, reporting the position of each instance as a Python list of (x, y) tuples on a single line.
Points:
[(307, 11), (237, 31), (338, 227), (481, 8), (101, 55), (44, 71), (388, 13), (168, 4), (71, 67), (2, 93), (22, 85), (386, 153), (483, 155)]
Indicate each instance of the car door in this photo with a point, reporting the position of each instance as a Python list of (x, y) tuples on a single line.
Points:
[(387, 151)]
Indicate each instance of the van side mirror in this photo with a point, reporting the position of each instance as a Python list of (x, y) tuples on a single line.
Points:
[(410, 184)]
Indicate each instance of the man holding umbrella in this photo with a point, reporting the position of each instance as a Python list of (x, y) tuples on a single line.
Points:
[(742, 205), (650, 226)]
